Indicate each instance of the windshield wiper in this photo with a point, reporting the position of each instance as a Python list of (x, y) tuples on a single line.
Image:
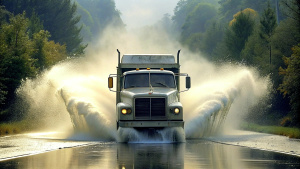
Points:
[(161, 84)]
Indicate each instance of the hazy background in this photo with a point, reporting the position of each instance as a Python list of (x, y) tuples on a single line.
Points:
[(137, 13)]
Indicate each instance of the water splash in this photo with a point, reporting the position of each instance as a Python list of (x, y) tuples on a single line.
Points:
[(73, 95), (167, 135)]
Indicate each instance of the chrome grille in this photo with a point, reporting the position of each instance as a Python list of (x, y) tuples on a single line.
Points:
[(149, 108)]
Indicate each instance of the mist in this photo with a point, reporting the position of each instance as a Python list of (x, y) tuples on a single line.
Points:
[(73, 97), (137, 14)]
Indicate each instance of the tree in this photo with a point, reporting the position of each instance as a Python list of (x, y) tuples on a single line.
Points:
[(22, 57), (3, 94), (87, 23), (180, 13), (3, 15), (291, 83), (212, 37), (47, 53), (257, 5), (228, 8), (240, 28), (99, 14), (58, 17), (292, 9), (198, 19), (15, 51), (267, 27), (35, 24), (184, 7)]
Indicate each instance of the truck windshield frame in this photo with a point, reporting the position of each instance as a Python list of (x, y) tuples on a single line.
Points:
[(156, 80)]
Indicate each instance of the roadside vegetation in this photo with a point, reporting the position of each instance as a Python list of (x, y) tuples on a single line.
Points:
[(260, 34), (12, 128), (290, 132), (36, 35)]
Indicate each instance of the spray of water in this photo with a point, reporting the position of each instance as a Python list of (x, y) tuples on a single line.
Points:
[(73, 95)]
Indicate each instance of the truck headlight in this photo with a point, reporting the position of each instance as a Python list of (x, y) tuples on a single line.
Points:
[(176, 110), (126, 111)]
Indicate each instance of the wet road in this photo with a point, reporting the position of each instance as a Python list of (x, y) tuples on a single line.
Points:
[(40, 152)]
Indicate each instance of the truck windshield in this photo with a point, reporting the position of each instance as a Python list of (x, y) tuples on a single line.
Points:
[(156, 80)]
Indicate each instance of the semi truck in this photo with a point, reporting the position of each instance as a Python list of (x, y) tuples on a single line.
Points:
[(148, 91)]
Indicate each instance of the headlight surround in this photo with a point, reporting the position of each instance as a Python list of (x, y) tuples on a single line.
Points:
[(126, 111)]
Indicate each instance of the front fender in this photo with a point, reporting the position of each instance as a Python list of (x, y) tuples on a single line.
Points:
[(121, 116)]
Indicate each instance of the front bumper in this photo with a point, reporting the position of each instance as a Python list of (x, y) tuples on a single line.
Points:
[(150, 124)]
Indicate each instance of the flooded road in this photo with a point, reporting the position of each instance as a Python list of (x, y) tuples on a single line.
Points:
[(36, 151)]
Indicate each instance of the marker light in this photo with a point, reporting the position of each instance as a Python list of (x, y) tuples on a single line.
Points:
[(176, 110), (161, 68), (148, 68), (137, 69)]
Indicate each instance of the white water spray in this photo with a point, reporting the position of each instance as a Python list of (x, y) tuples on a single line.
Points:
[(75, 94)]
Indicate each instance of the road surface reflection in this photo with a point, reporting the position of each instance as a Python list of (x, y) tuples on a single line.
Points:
[(192, 154)]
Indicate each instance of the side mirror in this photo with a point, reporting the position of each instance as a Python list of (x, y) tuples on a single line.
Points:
[(188, 82), (110, 82)]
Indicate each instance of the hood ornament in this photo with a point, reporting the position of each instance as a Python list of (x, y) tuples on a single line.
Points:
[(151, 88)]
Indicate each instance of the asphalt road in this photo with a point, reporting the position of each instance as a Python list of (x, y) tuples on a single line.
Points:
[(239, 150)]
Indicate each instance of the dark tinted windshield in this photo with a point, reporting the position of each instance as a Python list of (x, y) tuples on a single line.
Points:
[(156, 79)]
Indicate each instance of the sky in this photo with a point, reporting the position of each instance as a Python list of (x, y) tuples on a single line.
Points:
[(139, 13)]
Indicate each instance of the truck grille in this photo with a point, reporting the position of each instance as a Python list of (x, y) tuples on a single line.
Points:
[(149, 108)]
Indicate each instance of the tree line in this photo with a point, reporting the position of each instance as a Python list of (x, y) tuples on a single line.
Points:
[(35, 35), (260, 34)]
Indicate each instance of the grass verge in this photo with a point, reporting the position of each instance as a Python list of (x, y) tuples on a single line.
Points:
[(11, 128), (278, 130)]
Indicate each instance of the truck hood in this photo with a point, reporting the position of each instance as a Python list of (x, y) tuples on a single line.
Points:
[(127, 95)]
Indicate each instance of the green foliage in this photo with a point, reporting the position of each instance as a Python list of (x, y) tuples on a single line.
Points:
[(183, 8), (285, 131), (47, 52), (44, 35), (212, 38), (12, 128), (15, 50), (194, 41), (267, 24), (291, 83), (180, 13), (241, 27), (255, 54), (22, 57), (35, 25), (258, 50), (198, 19), (97, 15), (291, 9), (86, 22), (228, 8), (193, 18), (57, 16), (3, 93), (285, 37), (241, 35)]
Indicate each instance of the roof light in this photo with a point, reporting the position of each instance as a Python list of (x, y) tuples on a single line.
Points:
[(148, 68), (161, 68)]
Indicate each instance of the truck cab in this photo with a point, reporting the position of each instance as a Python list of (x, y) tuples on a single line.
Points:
[(148, 91)]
